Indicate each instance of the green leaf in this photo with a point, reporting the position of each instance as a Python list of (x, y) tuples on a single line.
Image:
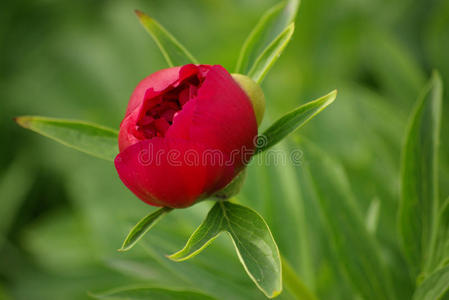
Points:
[(144, 293), (292, 206), (142, 227), (252, 240), (86, 137), (269, 56), (292, 121), (293, 284), (174, 52), (440, 255), (419, 191), (270, 25), (436, 286), (359, 255)]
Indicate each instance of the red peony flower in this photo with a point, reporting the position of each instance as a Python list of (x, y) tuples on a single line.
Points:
[(187, 132)]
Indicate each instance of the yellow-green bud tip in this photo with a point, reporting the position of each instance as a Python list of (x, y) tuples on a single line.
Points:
[(255, 94)]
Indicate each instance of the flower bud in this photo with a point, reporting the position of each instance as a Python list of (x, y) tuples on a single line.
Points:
[(255, 94), (187, 132)]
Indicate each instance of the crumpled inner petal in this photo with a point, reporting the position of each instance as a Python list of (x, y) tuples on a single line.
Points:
[(158, 112)]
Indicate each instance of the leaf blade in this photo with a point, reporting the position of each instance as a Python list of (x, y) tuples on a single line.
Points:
[(173, 51), (293, 120), (265, 270), (209, 230), (142, 227), (272, 287), (294, 284), (359, 255), (440, 255), (270, 25), (93, 139), (419, 191), (434, 287), (270, 55)]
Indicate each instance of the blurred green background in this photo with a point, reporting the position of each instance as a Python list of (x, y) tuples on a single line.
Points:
[(63, 214)]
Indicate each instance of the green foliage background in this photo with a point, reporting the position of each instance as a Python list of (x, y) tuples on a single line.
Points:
[(63, 214)]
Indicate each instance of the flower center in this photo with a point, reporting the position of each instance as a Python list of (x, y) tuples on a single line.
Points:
[(161, 111)]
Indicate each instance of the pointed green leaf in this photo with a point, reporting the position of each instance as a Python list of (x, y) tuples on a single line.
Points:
[(174, 52), (203, 236), (359, 255), (436, 286), (269, 56), (419, 198), (270, 25), (252, 239), (292, 121), (144, 293), (86, 137), (142, 227)]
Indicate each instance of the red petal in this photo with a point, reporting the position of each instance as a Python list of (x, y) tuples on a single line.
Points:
[(156, 82), (182, 122), (170, 172), (184, 96), (161, 125), (188, 71), (128, 134), (224, 117)]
